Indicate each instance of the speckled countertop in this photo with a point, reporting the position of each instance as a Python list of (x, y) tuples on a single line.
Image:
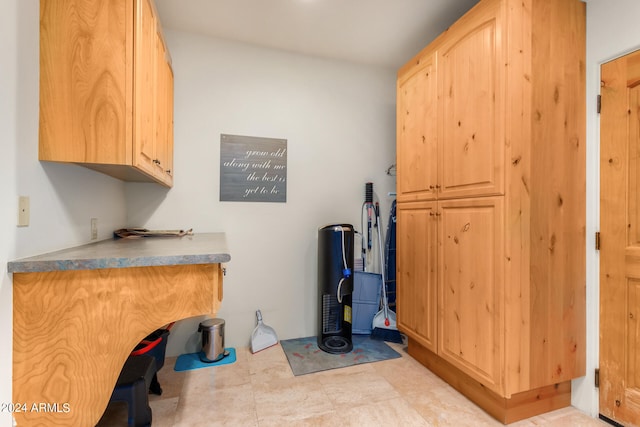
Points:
[(199, 248)]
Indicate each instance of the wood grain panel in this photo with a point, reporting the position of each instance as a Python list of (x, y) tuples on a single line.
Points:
[(164, 124), (416, 267), (85, 69), (417, 137), (517, 199), (73, 330), (620, 252), (145, 108), (557, 193), (471, 150), (633, 184), (470, 287)]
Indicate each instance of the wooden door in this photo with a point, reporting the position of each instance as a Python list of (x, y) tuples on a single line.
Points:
[(417, 132), (470, 287), (471, 150), (145, 87), (620, 240), (416, 272)]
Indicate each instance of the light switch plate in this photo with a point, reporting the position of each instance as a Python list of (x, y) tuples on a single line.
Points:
[(94, 228), (23, 211)]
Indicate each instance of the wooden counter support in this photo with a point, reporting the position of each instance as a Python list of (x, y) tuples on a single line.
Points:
[(78, 313), (73, 331)]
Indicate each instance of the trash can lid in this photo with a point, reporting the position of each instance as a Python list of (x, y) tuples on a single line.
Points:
[(211, 323)]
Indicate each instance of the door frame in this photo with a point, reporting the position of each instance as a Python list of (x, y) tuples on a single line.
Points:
[(596, 307)]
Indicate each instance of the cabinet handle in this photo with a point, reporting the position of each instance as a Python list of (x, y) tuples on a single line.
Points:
[(168, 171), (156, 161)]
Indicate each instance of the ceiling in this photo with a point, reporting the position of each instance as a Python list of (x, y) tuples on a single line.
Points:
[(375, 32)]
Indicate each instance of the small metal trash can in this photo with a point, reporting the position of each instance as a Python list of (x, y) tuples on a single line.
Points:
[(212, 340)]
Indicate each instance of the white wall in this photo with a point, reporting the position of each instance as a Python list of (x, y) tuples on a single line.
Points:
[(63, 197), (612, 30), (339, 123), (8, 207)]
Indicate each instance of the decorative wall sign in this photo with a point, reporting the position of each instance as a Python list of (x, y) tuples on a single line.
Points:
[(253, 169)]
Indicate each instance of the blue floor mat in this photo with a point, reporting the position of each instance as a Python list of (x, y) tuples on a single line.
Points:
[(190, 361)]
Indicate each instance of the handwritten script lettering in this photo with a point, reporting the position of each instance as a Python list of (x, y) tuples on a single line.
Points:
[(253, 169)]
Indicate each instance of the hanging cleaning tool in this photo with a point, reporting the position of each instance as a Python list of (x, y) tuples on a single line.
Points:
[(263, 336), (384, 322), (368, 207)]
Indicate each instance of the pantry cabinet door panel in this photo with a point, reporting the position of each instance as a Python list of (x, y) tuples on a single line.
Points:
[(416, 272), (470, 287), (417, 132), (471, 147)]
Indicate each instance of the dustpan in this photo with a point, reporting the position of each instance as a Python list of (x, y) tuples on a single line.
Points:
[(263, 336)]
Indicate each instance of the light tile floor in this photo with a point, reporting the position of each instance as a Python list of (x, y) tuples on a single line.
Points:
[(260, 390)]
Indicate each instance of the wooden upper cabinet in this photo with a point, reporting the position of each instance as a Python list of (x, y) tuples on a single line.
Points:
[(99, 87), (449, 135), (85, 95), (471, 145), (417, 137)]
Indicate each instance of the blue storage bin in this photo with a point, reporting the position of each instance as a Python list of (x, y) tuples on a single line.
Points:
[(367, 288)]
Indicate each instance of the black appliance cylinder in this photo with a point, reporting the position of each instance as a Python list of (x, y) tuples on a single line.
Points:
[(335, 287)]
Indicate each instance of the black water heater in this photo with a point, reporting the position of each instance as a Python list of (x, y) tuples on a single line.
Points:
[(335, 287)]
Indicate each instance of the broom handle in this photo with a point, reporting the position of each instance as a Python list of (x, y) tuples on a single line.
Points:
[(385, 304)]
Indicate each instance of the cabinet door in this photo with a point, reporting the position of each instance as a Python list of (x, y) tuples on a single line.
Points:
[(168, 169), (471, 143), (416, 272), (145, 88), (85, 69), (417, 132), (164, 117), (470, 287)]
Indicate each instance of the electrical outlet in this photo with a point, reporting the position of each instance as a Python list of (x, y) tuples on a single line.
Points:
[(94, 228), (23, 211)]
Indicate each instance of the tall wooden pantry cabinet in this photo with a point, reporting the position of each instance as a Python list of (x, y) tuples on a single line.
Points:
[(491, 204)]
